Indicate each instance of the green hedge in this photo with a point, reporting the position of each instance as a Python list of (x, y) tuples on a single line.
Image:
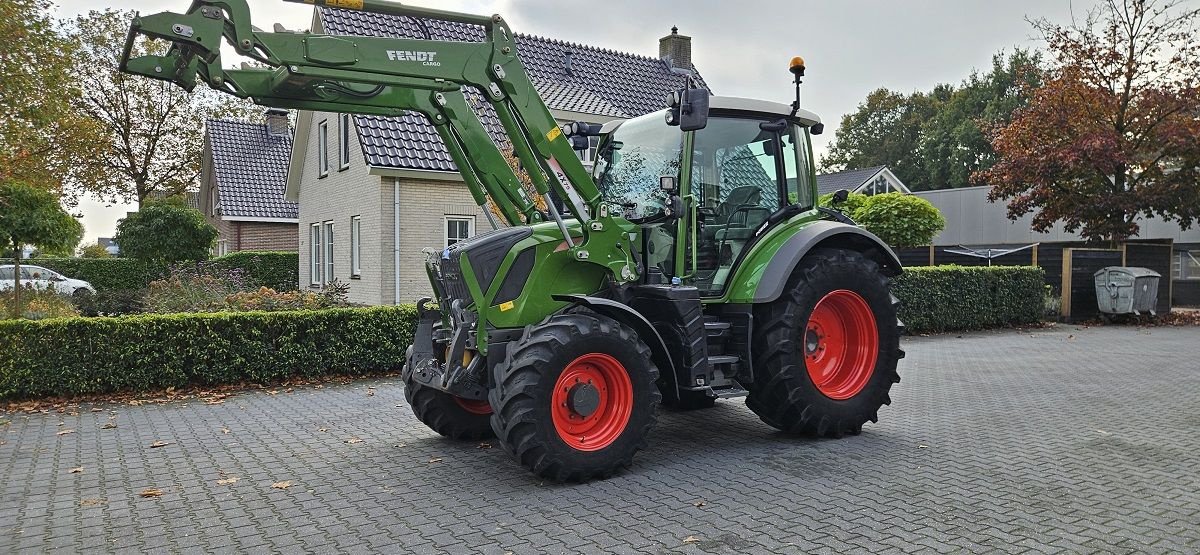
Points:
[(278, 270), (944, 298), (73, 356), (105, 274)]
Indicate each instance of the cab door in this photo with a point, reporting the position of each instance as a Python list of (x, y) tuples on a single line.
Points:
[(744, 169)]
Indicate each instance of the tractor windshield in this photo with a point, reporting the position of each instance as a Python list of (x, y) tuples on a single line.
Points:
[(631, 160)]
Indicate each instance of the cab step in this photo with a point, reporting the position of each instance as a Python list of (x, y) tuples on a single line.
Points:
[(727, 393)]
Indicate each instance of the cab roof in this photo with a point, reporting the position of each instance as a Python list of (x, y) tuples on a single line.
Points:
[(805, 117), (763, 106)]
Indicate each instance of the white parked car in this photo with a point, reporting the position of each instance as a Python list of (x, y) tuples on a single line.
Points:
[(43, 278)]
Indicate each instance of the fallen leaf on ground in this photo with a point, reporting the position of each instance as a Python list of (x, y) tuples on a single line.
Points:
[(370, 393), (354, 440), (282, 485), (691, 539), (108, 425), (97, 409), (224, 430), (922, 446), (322, 429), (90, 502), (401, 445), (1102, 432), (435, 460), (213, 401), (158, 444), (699, 503), (64, 432), (273, 392), (289, 390), (151, 492), (484, 445), (75, 470), (227, 481)]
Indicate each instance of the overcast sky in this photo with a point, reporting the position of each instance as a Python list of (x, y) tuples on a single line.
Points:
[(850, 47)]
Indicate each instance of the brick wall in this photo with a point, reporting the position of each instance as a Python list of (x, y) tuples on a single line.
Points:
[(424, 206), (338, 197), (263, 236)]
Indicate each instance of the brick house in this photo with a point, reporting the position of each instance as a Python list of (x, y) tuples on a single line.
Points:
[(242, 175), (374, 192)]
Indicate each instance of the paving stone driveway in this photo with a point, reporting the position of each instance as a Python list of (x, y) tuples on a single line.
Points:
[(1076, 440)]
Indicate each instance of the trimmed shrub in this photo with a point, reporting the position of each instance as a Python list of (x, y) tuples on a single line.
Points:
[(276, 270), (105, 274), (73, 356), (944, 298)]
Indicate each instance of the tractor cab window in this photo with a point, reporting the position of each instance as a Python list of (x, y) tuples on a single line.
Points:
[(629, 163), (741, 174)]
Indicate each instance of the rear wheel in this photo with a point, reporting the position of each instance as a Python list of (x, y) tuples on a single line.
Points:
[(575, 397), (826, 351)]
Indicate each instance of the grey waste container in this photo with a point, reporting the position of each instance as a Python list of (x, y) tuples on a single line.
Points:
[(1125, 290)]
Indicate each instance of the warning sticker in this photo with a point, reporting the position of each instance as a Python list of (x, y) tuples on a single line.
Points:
[(553, 134)]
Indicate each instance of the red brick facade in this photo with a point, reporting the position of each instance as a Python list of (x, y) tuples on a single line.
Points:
[(255, 236)]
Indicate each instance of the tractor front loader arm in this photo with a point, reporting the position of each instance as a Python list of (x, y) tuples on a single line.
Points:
[(387, 77)]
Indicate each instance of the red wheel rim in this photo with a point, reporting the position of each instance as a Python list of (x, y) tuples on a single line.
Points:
[(841, 344), (474, 406), (605, 379)]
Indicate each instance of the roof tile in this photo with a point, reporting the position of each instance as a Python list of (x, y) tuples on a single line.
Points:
[(251, 169), (602, 82)]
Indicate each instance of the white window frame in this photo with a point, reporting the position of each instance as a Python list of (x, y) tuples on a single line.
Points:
[(314, 253), (355, 246), (343, 141), (456, 218), (1186, 257), (327, 252), (323, 149), (212, 201)]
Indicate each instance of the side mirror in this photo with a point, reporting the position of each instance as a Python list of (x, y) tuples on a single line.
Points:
[(840, 196), (688, 109)]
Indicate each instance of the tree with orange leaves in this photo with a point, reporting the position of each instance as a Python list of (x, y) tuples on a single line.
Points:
[(1114, 133)]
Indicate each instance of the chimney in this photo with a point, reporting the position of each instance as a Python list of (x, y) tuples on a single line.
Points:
[(676, 50), (569, 62), (277, 123)]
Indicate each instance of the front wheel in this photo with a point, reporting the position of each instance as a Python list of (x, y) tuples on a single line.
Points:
[(826, 350), (446, 414), (575, 397)]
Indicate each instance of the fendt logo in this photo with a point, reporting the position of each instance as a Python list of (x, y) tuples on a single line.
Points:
[(426, 58)]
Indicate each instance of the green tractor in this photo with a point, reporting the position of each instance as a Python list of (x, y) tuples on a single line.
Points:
[(691, 264)]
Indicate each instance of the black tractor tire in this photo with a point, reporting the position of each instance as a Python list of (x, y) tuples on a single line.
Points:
[(446, 414), (784, 393), (548, 358)]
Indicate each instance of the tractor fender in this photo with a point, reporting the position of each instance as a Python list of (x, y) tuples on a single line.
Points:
[(621, 312), (821, 234)]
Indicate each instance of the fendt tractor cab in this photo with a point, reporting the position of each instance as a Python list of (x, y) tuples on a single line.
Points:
[(691, 264)]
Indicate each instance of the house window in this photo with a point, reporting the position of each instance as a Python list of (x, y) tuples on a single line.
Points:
[(355, 246), (343, 141), (1189, 265), (212, 201), (222, 247), (314, 254), (588, 155), (323, 148), (459, 228), (327, 255)]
